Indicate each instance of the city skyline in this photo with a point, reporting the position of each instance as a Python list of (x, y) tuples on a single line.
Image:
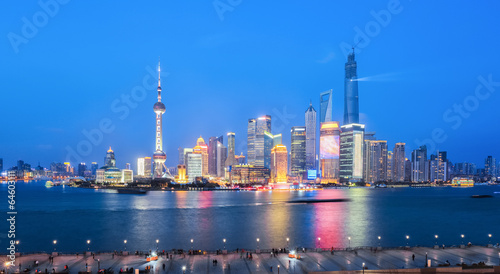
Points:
[(131, 136)]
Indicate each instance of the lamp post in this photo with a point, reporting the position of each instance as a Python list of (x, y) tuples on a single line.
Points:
[(258, 240), (489, 237), (463, 236), (407, 240), (157, 241), (125, 244), (98, 264), (224, 240), (88, 245), (191, 244), (278, 269), (17, 246), (363, 268), (349, 238), (379, 241), (436, 236), (425, 259), (288, 243), (319, 243), (183, 269), (55, 242)]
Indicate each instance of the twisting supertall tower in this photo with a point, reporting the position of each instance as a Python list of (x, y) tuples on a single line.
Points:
[(159, 157)]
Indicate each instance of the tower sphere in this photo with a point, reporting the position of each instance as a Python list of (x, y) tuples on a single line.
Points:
[(159, 107)]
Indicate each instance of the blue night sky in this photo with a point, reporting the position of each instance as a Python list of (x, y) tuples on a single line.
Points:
[(83, 64)]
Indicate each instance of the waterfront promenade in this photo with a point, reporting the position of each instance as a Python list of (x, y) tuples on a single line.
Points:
[(346, 261)]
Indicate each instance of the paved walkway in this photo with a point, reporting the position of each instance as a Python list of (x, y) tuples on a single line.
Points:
[(262, 263)]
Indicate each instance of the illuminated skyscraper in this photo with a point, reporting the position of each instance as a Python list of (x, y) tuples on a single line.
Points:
[(159, 157), (326, 106), (221, 159), (140, 166), (231, 158), (351, 98), (277, 139), (82, 167), (419, 171), (351, 152), (298, 151), (310, 137), (202, 148), (279, 164), (212, 154), (376, 161), (389, 165), (94, 168), (329, 144), (398, 160), (109, 160), (181, 177), (256, 141), (194, 165), (490, 166), (147, 166)]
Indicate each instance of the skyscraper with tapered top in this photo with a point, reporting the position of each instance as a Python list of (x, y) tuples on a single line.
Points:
[(159, 157), (351, 98), (310, 118)]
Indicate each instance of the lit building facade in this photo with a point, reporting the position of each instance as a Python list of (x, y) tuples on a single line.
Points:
[(109, 173), (181, 177), (194, 165), (202, 148), (310, 119), (279, 164), (212, 154), (376, 161), (248, 174), (298, 152), (221, 159), (398, 160), (419, 169), (140, 166), (351, 153), (256, 141), (326, 106), (329, 151)]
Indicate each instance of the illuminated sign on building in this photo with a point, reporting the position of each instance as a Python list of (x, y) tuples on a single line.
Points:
[(312, 174)]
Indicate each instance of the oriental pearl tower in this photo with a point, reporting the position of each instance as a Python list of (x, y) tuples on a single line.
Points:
[(159, 157)]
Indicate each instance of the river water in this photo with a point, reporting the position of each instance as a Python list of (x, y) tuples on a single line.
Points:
[(73, 215)]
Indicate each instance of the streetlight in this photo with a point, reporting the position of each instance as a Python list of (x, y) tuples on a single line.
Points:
[(363, 267), (319, 242), (224, 240), (183, 269), (349, 238), (489, 236), (125, 243), (88, 245), (55, 242), (191, 244), (463, 236), (407, 240), (379, 240), (157, 241), (425, 259), (258, 240), (436, 236), (288, 243), (17, 246), (278, 269)]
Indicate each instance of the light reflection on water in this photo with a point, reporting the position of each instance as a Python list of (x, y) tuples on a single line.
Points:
[(73, 215)]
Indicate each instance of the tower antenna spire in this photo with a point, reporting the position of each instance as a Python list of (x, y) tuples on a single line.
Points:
[(159, 71)]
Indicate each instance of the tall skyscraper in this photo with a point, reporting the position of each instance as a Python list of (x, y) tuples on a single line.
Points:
[(398, 160), (1, 164), (202, 148), (231, 158), (390, 159), (310, 118), (256, 141), (277, 139), (351, 99), (298, 151), (81, 169), (147, 166), (279, 164), (140, 166), (329, 145), (376, 161), (212, 154), (181, 155), (159, 157), (109, 160), (351, 152), (221, 159), (326, 106), (194, 165), (419, 170), (94, 168), (490, 166)]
